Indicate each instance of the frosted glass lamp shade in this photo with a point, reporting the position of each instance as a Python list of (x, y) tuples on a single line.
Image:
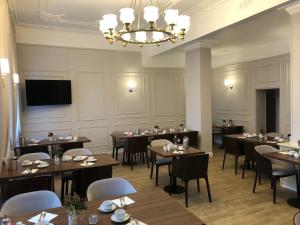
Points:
[(171, 16), (151, 13), (157, 36), (126, 37), (127, 15), (141, 36), (183, 22), (111, 21), (103, 26), (4, 66), (16, 78)]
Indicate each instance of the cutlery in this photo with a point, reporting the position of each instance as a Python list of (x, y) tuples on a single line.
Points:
[(43, 216)]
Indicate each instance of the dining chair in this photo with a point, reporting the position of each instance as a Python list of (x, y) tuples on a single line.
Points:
[(233, 147), (31, 201), (230, 130), (272, 170), (134, 146), (159, 161), (191, 168), (117, 145), (108, 188), (274, 134), (34, 156), (249, 156), (68, 176), (297, 218)]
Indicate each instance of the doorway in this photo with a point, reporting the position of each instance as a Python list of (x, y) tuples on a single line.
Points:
[(267, 110)]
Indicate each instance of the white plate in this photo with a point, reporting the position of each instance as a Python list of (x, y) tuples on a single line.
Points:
[(79, 158), (26, 164), (114, 219), (43, 165), (101, 209), (91, 160)]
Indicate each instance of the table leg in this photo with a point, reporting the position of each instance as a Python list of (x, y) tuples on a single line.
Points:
[(295, 202)]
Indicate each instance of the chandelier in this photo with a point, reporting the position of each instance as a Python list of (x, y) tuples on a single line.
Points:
[(135, 31)]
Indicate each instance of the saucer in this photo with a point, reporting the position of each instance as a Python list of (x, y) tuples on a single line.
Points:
[(26, 163), (43, 165), (91, 160), (101, 209), (114, 219)]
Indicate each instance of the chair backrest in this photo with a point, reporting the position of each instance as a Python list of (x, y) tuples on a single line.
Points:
[(137, 144), (233, 146), (78, 151), (249, 150), (263, 164), (31, 201), (34, 156), (109, 187), (297, 218), (160, 142), (274, 134), (191, 167)]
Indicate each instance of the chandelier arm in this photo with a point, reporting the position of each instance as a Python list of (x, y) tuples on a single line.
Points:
[(158, 5)]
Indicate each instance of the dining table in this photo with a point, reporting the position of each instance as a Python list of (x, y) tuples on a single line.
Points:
[(14, 170), (152, 207), (174, 188)]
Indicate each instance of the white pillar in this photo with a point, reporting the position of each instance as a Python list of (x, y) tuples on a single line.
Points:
[(294, 12), (198, 93)]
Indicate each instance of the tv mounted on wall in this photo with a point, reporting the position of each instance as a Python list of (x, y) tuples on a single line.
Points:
[(48, 92)]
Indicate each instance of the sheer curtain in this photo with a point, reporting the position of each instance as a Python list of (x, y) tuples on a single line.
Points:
[(9, 96)]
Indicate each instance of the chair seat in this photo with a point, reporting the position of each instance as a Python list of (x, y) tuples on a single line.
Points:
[(163, 161), (279, 170)]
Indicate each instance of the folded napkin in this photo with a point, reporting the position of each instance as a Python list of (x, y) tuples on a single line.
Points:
[(126, 200), (28, 171), (136, 223), (48, 217), (178, 152), (87, 164), (285, 152)]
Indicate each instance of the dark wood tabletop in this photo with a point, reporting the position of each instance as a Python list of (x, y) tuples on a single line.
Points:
[(122, 135), (56, 141), (283, 157), (153, 207), (102, 160), (161, 152), (256, 140)]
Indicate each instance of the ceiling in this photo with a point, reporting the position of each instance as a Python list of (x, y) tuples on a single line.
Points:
[(85, 14)]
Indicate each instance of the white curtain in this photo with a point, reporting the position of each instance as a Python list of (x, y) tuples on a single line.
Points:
[(9, 102)]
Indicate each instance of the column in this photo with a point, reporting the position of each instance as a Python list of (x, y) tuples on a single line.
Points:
[(294, 12), (198, 87)]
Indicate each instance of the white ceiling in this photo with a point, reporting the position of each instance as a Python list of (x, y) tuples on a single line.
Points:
[(85, 14)]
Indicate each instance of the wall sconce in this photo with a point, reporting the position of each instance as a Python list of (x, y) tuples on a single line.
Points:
[(4, 69), (16, 78), (131, 86), (229, 83)]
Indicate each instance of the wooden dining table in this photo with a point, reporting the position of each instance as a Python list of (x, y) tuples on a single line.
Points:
[(153, 207), (158, 150)]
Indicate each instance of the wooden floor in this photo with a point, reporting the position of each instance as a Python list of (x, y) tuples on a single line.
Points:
[(233, 200)]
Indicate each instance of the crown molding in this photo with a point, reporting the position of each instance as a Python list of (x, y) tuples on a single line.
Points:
[(294, 8), (208, 43)]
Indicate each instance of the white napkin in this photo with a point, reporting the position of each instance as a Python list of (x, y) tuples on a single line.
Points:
[(48, 217), (284, 152), (80, 157), (133, 223), (87, 164), (178, 152), (128, 201), (28, 171)]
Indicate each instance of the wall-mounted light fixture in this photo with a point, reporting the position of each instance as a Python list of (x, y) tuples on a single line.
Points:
[(131, 84), (229, 83), (4, 69), (16, 78)]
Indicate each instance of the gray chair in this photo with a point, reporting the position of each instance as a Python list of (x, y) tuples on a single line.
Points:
[(159, 161), (108, 188), (31, 201), (68, 176), (34, 156), (297, 219)]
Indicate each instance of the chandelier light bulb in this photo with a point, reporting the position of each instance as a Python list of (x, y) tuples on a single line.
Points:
[(171, 16), (111, 21), (127, 15), (141, 36), (157, 36), (151, 14), (183, 22)]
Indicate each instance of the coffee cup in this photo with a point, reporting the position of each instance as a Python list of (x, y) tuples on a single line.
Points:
[(107, 204), (120, 214), (296, 155)]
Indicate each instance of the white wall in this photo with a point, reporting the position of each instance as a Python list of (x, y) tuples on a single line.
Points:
[(239, 104), (101, 101)]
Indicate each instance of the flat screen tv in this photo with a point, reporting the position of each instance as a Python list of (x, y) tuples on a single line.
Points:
[(48, 92)]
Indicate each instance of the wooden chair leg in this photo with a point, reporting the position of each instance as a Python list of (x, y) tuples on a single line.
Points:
[(124, 153), (198, 185), (297, 185), (255, 180), (62, 191), (274, 189), (208, 189), (151, 170), (147, 159), (113, 152), (224, 159), (259, 182), (131, 160), (236, 162), (186, 193), (117, 153), (156, 175), (244, 167)]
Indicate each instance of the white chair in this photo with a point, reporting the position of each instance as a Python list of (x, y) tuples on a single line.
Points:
[(67, 176), (31, 201), (108, 188), (159, 161), (297, 218), (34, 156)]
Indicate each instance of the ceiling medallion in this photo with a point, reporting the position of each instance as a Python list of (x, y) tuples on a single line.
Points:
[(133, 31)]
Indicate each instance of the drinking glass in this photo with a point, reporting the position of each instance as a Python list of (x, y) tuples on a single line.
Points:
[(93, 219)]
